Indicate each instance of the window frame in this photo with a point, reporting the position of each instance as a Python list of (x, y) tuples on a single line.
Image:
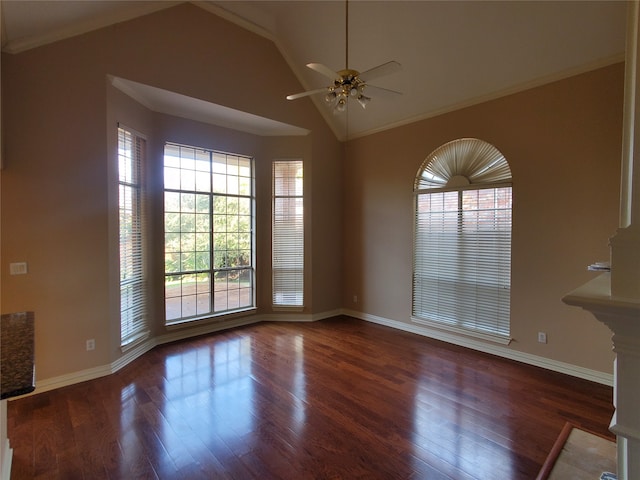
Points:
[(442, 295), (287, 235), (132, 255), (207, 291)]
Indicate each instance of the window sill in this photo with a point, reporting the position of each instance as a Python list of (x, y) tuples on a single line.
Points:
[(210, 318), (502, 340), (134, 341)]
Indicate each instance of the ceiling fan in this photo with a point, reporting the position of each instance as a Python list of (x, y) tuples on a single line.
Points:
[(348, 82)]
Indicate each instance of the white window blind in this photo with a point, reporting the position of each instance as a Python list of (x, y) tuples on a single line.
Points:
[(133, 320), (288, 233), (462, 251)]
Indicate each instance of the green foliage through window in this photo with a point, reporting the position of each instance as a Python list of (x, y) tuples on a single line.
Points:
[(208, 225)]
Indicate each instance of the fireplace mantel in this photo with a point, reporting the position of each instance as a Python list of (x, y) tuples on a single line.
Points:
[(622, 316), (595, 296)]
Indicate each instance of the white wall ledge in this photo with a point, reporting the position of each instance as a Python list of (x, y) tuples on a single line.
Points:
[(595, 295)]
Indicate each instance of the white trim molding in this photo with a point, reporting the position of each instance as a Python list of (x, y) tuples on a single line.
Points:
[(295, 317), (172, 335), (134, 10), (131, 355), (7, 456), (621, 316), (6, 452), (491, 348), (423, 330), (443, 327)]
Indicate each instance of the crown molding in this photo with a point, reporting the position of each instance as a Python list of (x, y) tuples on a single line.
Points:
[(470, 102)]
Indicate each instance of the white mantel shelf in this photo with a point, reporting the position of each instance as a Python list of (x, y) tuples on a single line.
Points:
[(622, 316), (595, 296)]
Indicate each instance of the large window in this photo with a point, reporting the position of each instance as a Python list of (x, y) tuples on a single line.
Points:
[(462, 253), (208, 233), (131, 151), (288, 234)]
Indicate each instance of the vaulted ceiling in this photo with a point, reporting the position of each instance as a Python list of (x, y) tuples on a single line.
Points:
[(453, 53)]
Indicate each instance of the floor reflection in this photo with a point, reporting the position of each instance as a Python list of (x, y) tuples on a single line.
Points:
[(335, 399), (129, 441), (291, 354), (211, 388), (451, 423), (217, 397)]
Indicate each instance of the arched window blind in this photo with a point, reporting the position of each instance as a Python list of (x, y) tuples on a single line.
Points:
[(462, 247)]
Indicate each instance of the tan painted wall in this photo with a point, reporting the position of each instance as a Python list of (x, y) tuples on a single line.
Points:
[(58, 190), (563, 143)]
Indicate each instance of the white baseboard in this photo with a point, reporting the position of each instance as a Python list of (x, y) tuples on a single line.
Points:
[(7, 457), (100, 371), (494, 349), (173, 335), (299, 317), (103, 370), (205, 329), (69, 379), (325, 315), (131, 354)]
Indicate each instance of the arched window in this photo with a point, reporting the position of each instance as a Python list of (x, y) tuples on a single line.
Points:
[(462, 248)]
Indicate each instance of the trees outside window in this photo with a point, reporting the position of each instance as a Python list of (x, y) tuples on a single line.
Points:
[(208, 233)]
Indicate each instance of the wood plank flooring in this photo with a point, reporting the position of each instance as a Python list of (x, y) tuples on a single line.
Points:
[(334, 399)]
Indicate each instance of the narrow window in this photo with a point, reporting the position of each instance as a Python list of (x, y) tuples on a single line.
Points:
[(288, 234), (208, 233), (462, 249), (131, 152)]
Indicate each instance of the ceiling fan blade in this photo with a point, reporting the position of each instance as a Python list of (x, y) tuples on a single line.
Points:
[(382, 89), (306, 94), (381, 70), (324, 70)]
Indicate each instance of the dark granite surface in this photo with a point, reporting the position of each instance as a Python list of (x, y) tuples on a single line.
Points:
[(16, 354)]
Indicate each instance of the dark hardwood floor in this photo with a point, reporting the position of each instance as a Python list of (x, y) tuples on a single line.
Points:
[(334, 399)]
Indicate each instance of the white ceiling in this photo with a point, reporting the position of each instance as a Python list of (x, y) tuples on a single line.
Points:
[(453, 53)]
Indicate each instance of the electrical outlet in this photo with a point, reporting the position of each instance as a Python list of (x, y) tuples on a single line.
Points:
[(18, 268), (542, 337), (91, 344)]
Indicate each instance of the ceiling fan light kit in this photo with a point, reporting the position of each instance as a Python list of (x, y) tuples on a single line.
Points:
[(348, 82)]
